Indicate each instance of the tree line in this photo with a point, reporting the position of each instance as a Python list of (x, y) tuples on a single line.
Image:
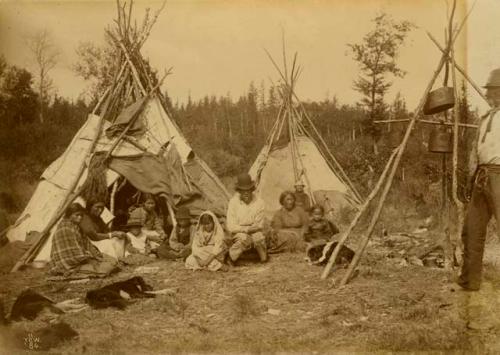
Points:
[(36, 124)]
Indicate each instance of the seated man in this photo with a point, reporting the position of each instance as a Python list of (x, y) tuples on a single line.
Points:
[(245, 220)]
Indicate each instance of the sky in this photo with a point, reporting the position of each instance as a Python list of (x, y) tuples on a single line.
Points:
[(217, 46)]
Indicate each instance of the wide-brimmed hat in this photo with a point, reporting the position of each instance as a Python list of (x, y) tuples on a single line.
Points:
[(493, 80), (183, 213), (244, 183), (135, 219)]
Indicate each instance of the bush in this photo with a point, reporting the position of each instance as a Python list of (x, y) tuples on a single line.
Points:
[(224, 163)]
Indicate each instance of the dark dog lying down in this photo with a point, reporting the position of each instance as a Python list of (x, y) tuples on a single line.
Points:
[(29, 304), (320, 256), (117, 293)]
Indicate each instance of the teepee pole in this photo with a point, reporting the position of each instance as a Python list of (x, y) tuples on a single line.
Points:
[(356, 218), (461, 70), (454, 190)]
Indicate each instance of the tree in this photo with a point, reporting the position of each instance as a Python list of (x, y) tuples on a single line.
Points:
[(45, 55), (18, 100), (96, 64), (376, 56)]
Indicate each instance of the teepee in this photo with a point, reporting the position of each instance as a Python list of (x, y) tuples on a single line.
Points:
[(296, 152), (132, 137)]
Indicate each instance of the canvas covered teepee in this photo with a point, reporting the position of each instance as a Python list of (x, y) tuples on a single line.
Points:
[(131, 134), (296, 152)]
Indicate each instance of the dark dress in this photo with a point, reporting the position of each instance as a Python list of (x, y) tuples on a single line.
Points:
[(287, 230)]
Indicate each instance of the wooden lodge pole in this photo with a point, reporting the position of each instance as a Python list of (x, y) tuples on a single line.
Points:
[(356, 218)]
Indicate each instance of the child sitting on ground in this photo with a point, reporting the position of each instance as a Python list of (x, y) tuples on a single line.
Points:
[(318, 232), (178, 246), (208, 247), (138, 241)]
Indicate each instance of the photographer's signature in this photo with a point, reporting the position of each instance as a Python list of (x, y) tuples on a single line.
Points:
[(31, 341)]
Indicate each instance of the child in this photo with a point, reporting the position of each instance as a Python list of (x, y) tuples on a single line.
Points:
[(208, 248), (151, 222), (318, 232), (139, 242), (301, 198), (178, 246)]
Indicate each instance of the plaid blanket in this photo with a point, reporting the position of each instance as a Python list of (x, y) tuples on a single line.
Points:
[(70, 248)]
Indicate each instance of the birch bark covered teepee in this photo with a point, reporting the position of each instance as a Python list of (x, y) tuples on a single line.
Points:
[(296, 152), (130, 136)]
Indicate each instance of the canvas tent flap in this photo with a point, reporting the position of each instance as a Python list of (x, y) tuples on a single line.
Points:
[(153, 174)]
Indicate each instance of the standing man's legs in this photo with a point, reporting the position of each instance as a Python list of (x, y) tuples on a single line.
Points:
[(474, 235)]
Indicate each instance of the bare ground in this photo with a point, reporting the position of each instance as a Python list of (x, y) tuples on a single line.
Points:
[(282, 306)]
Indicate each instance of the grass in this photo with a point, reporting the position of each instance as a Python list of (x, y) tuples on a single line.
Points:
[(395, 309)]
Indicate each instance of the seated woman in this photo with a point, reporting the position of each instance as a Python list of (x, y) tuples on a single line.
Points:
[(178, 246), (208, 248), (287, 226), (94, 228), (72, 253), (151, 221)]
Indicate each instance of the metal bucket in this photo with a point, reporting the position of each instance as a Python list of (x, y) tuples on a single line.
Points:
[(441, 140), (439, 100)]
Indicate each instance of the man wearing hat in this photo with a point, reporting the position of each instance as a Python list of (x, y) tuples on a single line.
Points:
[(485, 199), (245, 220), (301, 198)]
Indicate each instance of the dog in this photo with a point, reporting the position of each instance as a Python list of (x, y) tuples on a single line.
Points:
[(116, 294), (29, 304), (319, 256)]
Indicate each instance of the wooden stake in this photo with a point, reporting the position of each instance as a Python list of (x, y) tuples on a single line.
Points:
[(466, 125), (456, 115), (461, 70), (360, 212)]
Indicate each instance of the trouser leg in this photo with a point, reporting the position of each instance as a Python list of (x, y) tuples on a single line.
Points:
[(494, 197), (259, 243), (473, 238), (241, 243)]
